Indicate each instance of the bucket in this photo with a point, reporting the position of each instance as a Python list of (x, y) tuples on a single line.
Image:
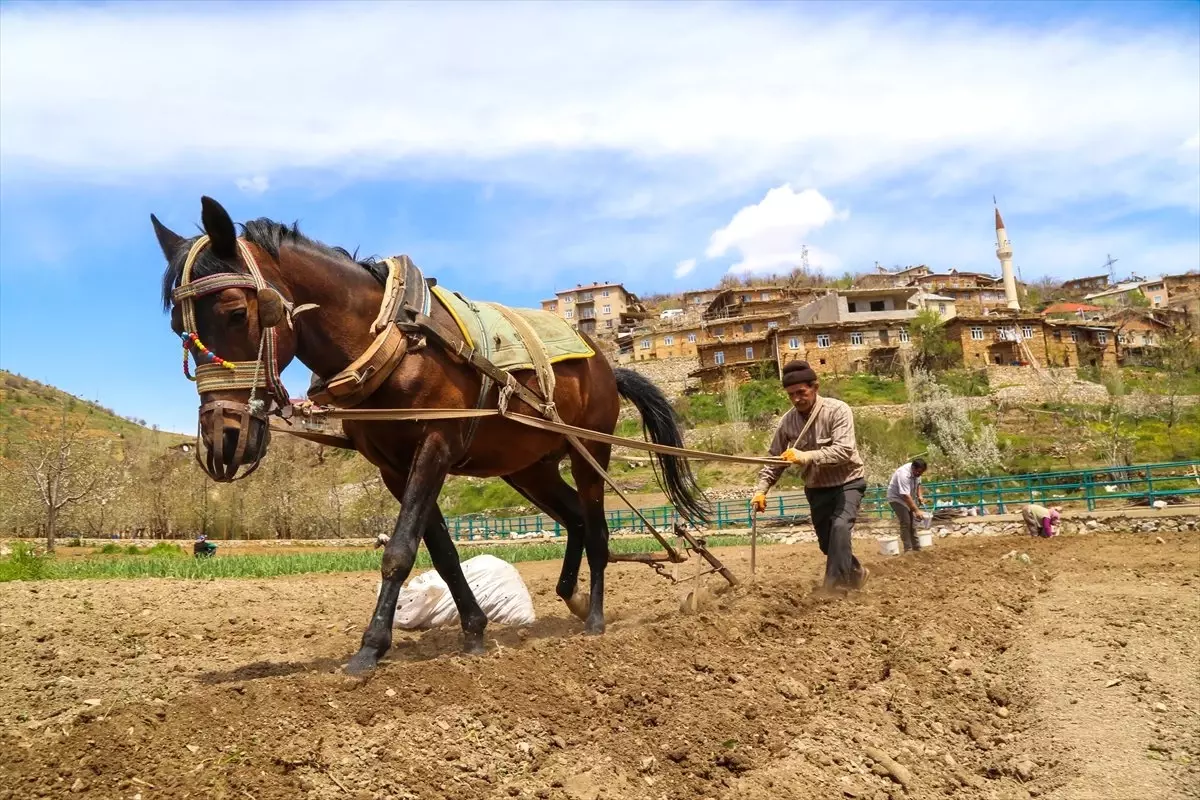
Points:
[(925, 539), (889, 546)]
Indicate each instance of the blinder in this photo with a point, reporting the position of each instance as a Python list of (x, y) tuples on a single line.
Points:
[(222, 375)]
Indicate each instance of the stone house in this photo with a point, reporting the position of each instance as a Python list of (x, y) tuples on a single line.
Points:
[(883, 279), (844, 347), (1000, 339), (736, 356), (1080, 344), (666, 342), (754, 301), (972, 292), (1078, 287), (724, 329), (1139, 334)]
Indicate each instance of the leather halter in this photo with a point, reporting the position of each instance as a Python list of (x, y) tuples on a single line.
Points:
[(262, 372)]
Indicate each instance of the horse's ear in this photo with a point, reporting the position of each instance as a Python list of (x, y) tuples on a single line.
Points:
[(219, 227), (168, 240)]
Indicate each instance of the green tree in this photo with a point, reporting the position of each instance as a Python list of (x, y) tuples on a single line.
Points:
[(931, 348)]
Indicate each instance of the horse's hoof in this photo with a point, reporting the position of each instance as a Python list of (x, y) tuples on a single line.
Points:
[(594, 628), (473, 646), (363, 662), (579, 604)]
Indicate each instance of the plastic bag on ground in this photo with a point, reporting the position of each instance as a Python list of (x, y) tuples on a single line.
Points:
[(426, 601)]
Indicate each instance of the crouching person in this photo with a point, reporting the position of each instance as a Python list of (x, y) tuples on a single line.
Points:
[(817, 435), (1041, 521)]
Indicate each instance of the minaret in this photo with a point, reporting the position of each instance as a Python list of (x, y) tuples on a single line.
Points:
[(1004, 253)]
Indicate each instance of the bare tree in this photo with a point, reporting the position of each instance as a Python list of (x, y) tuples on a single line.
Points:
[(66, 467)]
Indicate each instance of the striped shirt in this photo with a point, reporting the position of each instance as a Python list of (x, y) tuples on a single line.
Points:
[(832, 435)]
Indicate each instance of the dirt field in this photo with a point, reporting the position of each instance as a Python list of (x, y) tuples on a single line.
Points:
[(957, 673)]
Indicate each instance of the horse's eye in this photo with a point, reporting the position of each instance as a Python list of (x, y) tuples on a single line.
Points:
[(237, 316)]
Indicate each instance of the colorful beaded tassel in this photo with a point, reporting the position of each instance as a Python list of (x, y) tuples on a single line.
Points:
[(190, 341)]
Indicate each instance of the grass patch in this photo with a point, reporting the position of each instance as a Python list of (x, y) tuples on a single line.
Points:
[(863, 389), (24, 564), (966, 382)]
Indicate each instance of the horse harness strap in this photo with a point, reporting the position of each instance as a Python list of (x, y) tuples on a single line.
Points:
[(404, 294)]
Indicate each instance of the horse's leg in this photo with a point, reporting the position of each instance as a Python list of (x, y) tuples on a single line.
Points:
[(542, 485), (430, 464), (591, 496), (445, 560)]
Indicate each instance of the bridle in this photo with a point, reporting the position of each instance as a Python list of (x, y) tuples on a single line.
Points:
[(220, 375)]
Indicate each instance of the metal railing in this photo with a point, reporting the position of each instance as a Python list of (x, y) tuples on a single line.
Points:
[(1092, 487)]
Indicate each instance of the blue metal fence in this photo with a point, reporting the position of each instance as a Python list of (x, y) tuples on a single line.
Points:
[(995, 495)]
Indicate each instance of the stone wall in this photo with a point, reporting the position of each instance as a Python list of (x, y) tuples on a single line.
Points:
[(1011, 525), (669, 375)]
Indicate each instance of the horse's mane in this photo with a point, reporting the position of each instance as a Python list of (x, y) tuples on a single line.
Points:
[(270, 236)]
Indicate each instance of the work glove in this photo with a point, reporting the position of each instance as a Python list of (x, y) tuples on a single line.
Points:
[(801, 457), (759, 502)]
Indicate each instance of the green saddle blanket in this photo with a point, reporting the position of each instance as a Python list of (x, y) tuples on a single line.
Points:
[(494, 337)]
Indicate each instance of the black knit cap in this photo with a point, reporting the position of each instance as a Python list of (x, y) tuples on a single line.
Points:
[(798, 372)]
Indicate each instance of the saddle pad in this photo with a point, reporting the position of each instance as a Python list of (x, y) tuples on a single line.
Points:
[(494, 337)]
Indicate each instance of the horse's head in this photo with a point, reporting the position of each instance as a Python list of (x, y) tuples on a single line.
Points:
[(228, 316)]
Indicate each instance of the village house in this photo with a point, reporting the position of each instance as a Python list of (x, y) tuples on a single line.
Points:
[(883, 279), (739, 358), (844, 347), (865, 305), (972, 292), (666, 342), (1140, 334), (1080, 344), (699, 300), (1005, 339), (1072, 311), (599, 308), (1078, 287), (754, 301), (1187, 283), (1125, 293)]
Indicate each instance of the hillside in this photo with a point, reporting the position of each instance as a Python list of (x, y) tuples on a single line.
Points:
[(27, 406)]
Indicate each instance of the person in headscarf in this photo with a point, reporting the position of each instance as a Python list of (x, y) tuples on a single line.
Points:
[(1041, 521)]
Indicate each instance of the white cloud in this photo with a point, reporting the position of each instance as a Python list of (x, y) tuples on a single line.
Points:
[(771, 234), (739, 94), (685, 267), (256, 185)]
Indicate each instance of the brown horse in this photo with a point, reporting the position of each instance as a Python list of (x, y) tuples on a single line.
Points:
[(253, 283)]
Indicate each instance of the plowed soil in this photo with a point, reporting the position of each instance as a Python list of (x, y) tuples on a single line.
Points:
[(958, 672)]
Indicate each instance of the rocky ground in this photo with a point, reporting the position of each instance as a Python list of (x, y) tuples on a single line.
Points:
[(959, 672)]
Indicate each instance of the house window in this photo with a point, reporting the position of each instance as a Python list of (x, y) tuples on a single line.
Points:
[(904, 334), (1145, 338), (748, 327), (877, 305), (1058, 335), (1074, 336), (749, 353), (668, 340), (587, 297), (772, 325), (1122, 338), (1027, 331), (856, 338), (794, 343), (608, 323), (822, 340), (698, 301), (852, 308), (977, 334), (568, 313), (645, 344), (941, 308), (719, 357), (606, 309), (1102, 337), (745, 298), (604, 293), (692, 338), (719, 331), (552, 306), (764, 296)]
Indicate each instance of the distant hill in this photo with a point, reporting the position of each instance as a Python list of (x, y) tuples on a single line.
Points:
[(27, 405)]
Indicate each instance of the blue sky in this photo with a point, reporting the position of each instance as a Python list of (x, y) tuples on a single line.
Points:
[(513, 150)]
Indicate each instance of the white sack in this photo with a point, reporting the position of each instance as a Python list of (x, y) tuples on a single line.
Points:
[(426, 601)]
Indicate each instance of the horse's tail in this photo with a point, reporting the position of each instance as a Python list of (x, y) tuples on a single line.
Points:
[(658, 419)]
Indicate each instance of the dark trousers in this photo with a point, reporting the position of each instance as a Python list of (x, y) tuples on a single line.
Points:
[(834, 510), (908, 534)]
